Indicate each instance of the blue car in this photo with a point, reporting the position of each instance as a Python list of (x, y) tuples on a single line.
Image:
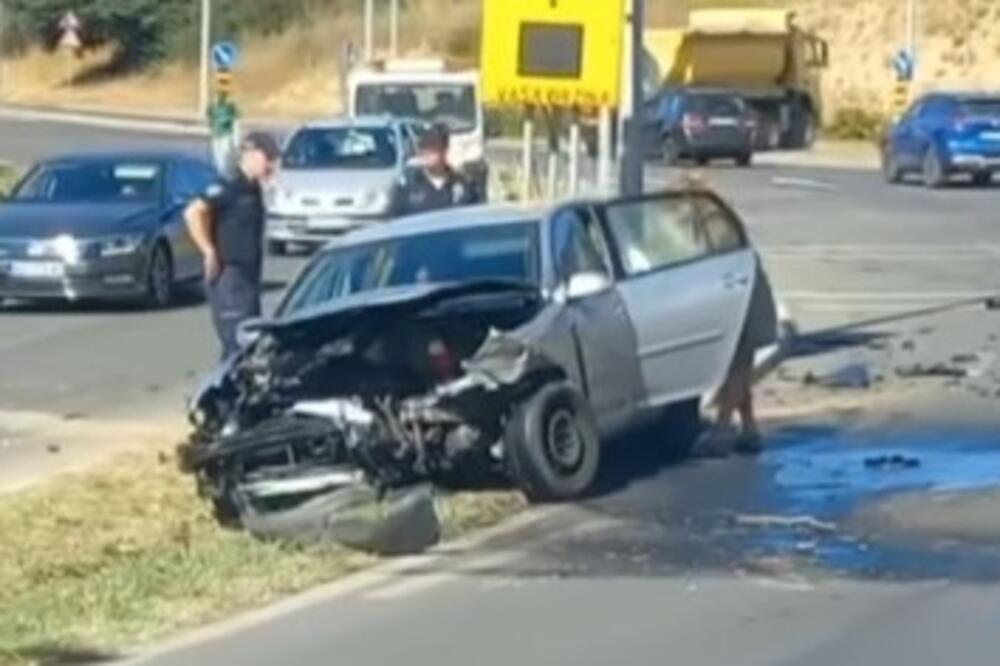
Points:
[(942, 135)]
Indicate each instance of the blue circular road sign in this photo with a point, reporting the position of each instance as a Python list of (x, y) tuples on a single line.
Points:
[(225, 55)]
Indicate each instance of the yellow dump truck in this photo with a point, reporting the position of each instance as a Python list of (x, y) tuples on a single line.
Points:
[(761, 53)]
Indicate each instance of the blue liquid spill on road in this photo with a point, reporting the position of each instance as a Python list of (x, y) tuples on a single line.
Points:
[(845, 469), (828, 475)]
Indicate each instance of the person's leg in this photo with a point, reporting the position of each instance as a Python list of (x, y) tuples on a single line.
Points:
[(234, 299)]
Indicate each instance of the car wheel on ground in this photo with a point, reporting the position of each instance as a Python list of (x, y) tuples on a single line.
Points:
[(804, 131), (552, 445), (890, 168), (159, 279), (680, 425), (933, 172), (671, 153), (744, 160), (982, 179)]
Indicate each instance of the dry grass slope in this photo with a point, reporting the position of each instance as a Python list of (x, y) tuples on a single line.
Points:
[(296, 74)]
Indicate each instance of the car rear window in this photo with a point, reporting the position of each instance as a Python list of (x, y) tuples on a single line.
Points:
[(715, 105), (980, 107)]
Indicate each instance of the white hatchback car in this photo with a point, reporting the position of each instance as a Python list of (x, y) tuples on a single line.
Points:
[(338, 175)]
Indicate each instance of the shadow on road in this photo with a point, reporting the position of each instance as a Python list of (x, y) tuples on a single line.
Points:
[(56, 655)]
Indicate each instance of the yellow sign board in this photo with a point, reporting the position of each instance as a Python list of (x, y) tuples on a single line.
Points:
[(553, 53)]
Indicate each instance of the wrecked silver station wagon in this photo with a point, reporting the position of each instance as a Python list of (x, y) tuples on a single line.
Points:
[(472, 342)]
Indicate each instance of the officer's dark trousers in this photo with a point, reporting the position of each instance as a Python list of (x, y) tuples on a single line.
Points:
[(234, 297)]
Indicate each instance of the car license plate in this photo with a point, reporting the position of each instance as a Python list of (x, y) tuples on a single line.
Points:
[(37, 270), (330, 224), (990, 136), (722, 121)]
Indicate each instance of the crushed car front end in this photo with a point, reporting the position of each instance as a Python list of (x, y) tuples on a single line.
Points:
[(378, 393)]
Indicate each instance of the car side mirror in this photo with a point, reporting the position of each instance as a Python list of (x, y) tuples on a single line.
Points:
[(248, 332), (583, 285)]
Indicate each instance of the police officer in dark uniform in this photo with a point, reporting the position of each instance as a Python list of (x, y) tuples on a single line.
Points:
[(434, 185), (227, 225)]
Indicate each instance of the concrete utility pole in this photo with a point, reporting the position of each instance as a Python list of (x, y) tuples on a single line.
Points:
[(394, 28), (3, 50), (632, 159), (369, 30), (206, 56)]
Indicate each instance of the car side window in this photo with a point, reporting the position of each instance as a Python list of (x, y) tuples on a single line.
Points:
[(579, 245), (188, 180), (724, 231), (654, 234)]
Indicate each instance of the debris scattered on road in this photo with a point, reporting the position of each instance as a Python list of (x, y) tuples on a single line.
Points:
[(909, 345), (940, 370), (53, 449), (993, 303), (854, 376), (892, 462), (786, 522)]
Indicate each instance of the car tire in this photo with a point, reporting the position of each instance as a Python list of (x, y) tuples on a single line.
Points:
[(982, 179), (277, 248), (805, 129), (552, 445), (159, 279), (744, 160), (891, 170), (680, 425), (671, 152), (934, 174)]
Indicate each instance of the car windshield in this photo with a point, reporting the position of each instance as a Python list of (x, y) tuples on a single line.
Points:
[(342, 148), (495, 252), (980, 108), (715, 105), (451, 104), (92, 182)]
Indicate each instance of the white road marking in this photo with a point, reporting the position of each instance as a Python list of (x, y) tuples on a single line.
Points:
[(803, 183), (887, 297)]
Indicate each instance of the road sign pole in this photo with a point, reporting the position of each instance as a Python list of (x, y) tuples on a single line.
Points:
[(911, 27), (632, 160), (369, 30), (527, 154), (574, 156), (394, 28), (206, 55)]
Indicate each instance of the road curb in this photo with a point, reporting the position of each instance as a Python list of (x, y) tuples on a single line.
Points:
[(378, 575), (105, 120)]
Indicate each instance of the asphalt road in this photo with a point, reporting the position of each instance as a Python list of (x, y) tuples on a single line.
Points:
[(656, 568)]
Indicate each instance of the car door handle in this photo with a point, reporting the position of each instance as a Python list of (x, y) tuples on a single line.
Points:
[(734, 281)]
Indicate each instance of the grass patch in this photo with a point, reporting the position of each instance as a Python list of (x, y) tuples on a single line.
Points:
[(127, 553), (9, 175)]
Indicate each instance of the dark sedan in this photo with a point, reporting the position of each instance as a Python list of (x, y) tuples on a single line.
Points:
[(702, 125), (102, 227)]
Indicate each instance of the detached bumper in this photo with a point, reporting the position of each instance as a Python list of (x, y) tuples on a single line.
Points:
[(119, 277)]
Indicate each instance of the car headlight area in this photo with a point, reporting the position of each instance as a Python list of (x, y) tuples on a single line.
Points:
[(120, 246), (73, 251)]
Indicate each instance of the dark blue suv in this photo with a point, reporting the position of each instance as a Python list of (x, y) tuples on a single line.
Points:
[(942, 135)]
